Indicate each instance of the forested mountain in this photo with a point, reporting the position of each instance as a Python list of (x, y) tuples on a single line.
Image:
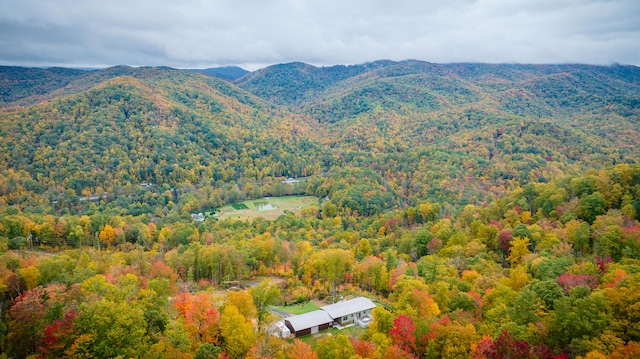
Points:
[(17, 83), (455, 134), (230, 73), (504, 122), (490, 211), (153, 125)]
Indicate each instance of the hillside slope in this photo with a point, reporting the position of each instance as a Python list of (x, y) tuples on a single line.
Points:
[(461, 131), (375, 136), (153, 125)]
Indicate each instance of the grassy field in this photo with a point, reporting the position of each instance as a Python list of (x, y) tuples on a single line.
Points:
[(267, 208), (298, 308)]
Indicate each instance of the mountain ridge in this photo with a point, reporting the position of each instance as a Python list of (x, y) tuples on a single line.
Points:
[(454, 133), (229, 73)]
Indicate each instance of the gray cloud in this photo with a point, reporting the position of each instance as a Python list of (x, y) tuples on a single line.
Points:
[(254, 33)]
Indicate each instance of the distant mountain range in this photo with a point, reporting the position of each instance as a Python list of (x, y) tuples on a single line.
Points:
[(455, 133), (230, 73), (18, 84)]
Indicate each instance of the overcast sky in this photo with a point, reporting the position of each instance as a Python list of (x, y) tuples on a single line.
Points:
[(255, 33)]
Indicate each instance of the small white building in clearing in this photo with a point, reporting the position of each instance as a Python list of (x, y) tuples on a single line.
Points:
[(198, 217), (280, 330)]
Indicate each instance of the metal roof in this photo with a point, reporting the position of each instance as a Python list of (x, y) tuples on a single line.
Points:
[(309, 320), (347, 307)]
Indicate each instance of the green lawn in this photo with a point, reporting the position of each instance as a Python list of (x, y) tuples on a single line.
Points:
[(298, 308)]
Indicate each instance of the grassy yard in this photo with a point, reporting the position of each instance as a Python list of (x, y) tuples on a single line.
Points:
[(297, 308), (351, 332), (268, 208)]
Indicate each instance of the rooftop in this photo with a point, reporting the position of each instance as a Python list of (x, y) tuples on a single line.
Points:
[(347, 307), (308, 320)]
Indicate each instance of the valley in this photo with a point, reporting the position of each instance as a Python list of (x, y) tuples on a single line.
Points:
[(484, 208)]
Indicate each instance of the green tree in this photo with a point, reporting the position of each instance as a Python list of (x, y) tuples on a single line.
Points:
[(207, 351), (264, 295), (109, 329), (423, 237), (548, 290), (526, 308), (578, 316), (76, 236), (608, 243), (578, 233), (521, 231), (590, 207), (329, 210)]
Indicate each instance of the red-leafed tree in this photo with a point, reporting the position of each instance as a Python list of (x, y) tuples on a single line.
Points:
[(403, 333), (603, 263), (504, 242), (58, 336), (26, 330), (568, 281), (504, 347), (507, 347)]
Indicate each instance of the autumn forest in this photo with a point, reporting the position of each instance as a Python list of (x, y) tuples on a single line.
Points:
[(489, 211)]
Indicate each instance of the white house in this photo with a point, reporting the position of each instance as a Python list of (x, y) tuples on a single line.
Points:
[(357, 310), (348, 311), (309, 323)]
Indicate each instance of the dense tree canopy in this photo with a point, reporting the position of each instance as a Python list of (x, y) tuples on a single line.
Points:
[(490, 214)]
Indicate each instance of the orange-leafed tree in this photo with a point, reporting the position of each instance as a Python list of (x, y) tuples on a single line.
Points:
[(395, 352), (364, 349), (201, 318), (164, 276), (301, 350)]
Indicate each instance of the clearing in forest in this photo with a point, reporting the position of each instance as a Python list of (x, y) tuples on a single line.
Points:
[(268, 208)]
